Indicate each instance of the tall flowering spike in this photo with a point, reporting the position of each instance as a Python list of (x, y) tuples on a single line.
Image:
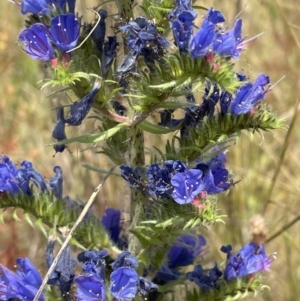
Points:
[(80, 109), (111, 222), (34, 6), (187, 185), (56, 182), (201, 42), (64, 31), (89, 287), (37, 178), (59, 133), (124, 283), (8, 172), (98, 35), (36, 42), (182, 22), (248, 95), (185, 251)]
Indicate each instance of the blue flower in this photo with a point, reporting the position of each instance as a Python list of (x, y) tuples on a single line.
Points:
[(201, 42), (186, 249), (90, 288), (59, 133), (187, 185), (248, 95), (111, 222), (125, 259), (205, 281), (80, 109), (228, 43), (8, 172), (64, 31), (71, 6), (251, 259), (182, 22), (34, 6), (124, 283), (145, 286), (22, 285), (159, 177), (56, 182), (36, 42)]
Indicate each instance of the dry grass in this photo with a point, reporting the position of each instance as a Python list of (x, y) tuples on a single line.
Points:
[(26, 124)]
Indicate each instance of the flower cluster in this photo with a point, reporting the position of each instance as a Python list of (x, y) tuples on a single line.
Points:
[(39, 40), (210, 37), (250, 260), (174, 179), (13, 179)]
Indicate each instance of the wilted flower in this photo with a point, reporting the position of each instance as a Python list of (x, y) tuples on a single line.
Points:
[(98, 34), (56, 182), (80, 109), (108, 55), (132, 176), (59, 133), (111, 221), (124, 283), (203, 280), (125, 259), (36, 42), (64, 31)]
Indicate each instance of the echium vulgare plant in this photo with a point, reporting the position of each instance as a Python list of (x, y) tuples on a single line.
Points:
[(154, 64)]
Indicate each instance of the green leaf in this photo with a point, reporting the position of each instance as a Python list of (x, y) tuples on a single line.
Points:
[(156, 129), (93, 138)]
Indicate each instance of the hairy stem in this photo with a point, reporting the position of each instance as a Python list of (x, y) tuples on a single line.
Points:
[(137, 158)]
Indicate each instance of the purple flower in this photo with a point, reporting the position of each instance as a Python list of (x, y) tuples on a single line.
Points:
[(90, 288), (71, 6), (187, 185), (22, 285), (228, 43), (182, 21), (205, 281), (111, 222), (132, 176), (64, 31), (201, 42), (98, 35), (36, 42), (34, 6), (124, 283), (80, 109), (108, 55), (8, 172), (248, 95), (186, 249), (251, 259)]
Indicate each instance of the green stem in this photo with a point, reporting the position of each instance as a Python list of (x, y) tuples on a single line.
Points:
[(137, 158)]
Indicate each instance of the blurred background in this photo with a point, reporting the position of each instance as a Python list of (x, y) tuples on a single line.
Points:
[(264, 203)]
